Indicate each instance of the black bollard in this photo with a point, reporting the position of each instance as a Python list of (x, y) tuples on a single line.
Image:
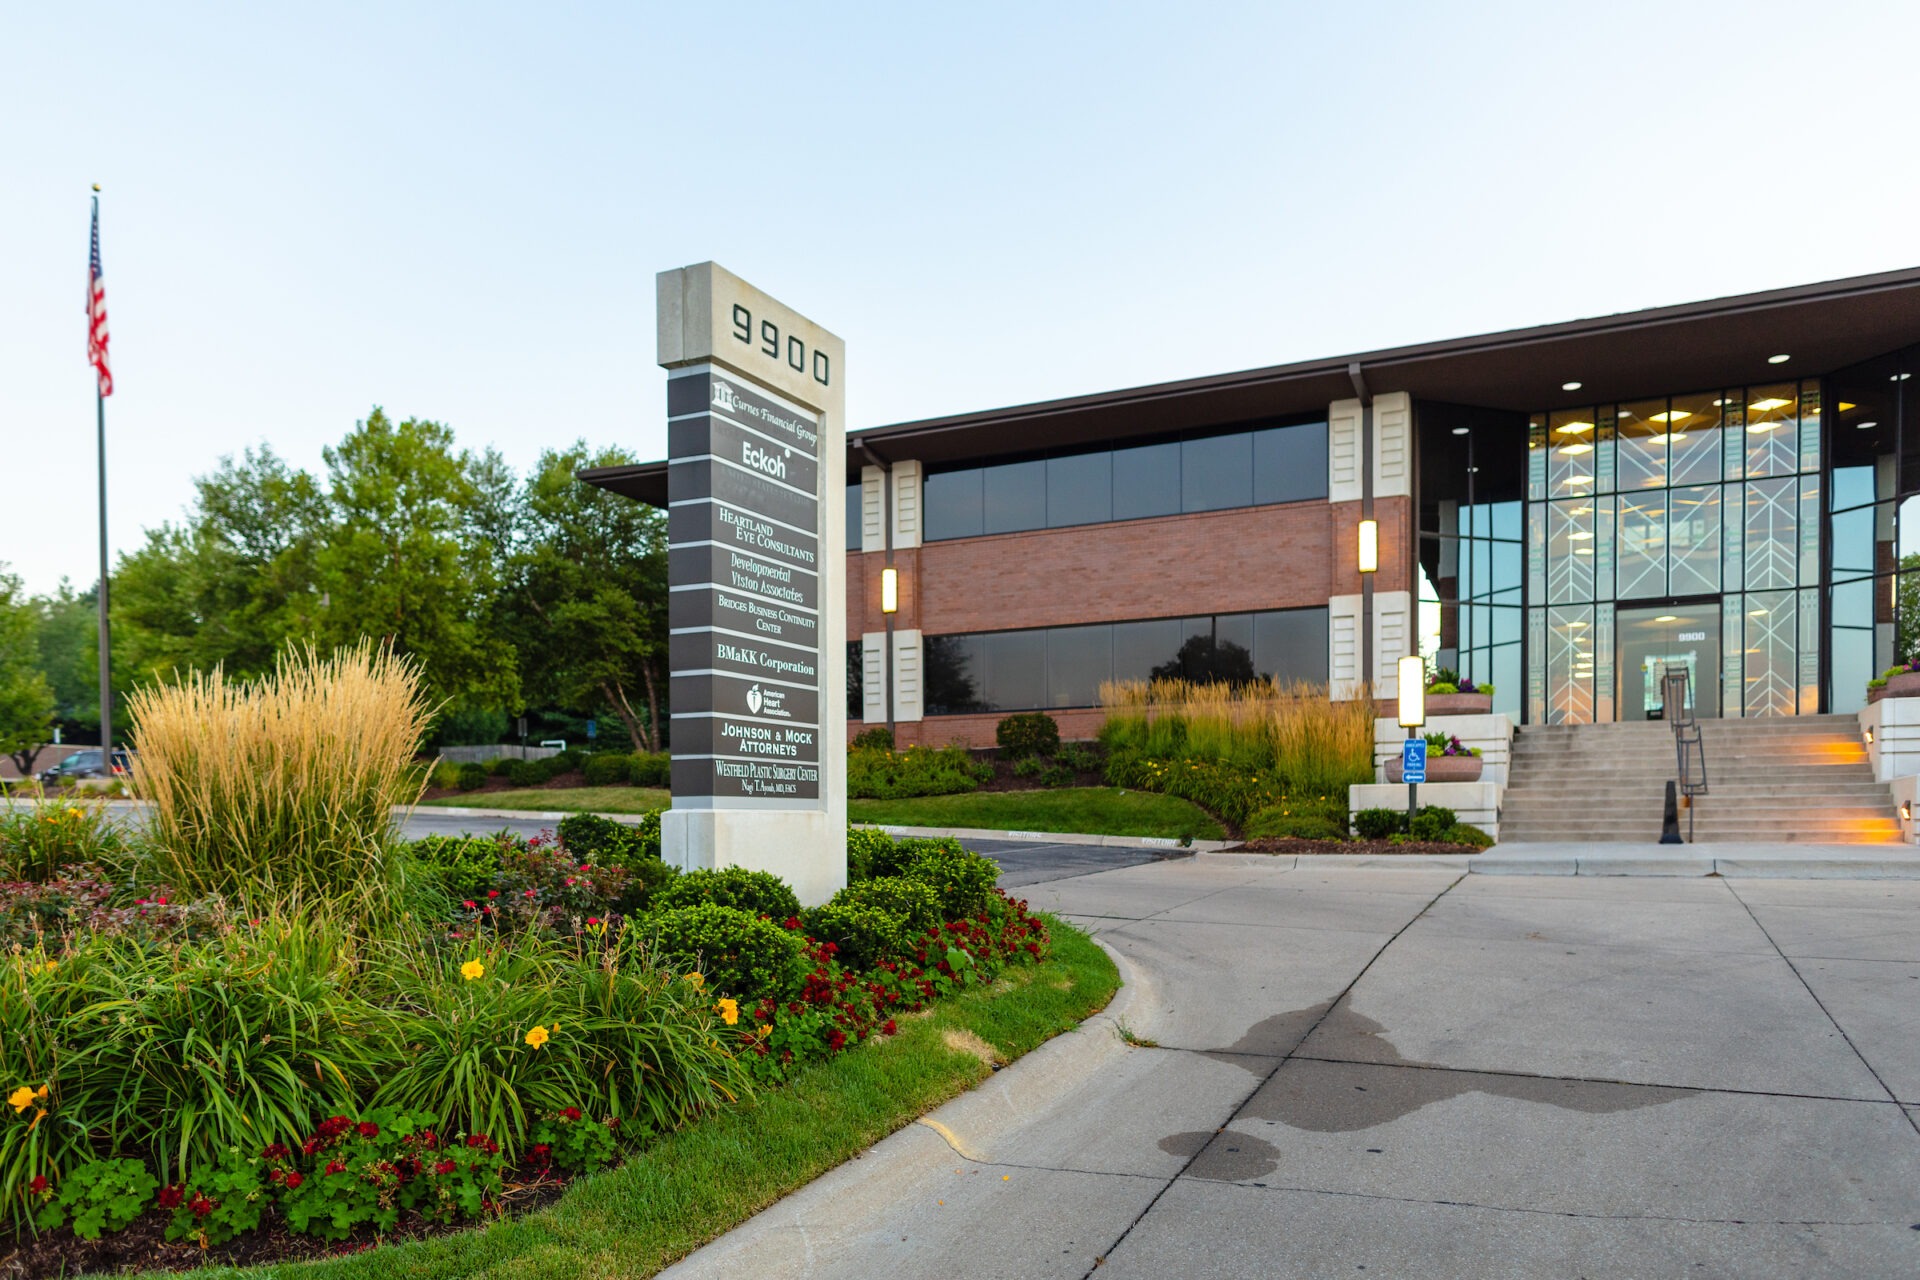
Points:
[(1670, 820)]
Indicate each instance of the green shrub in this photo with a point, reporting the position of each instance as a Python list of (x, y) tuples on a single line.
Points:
[(651, 769), (633, 847), (1029, 767), (470, 777), (38, 839), (738, 954), (1378, 824), (501, 767), (99, 1196), (1442, 687), (1031, 733), (962, 881), (1079, 757), (610, 769), (1277, 822), (865, 846), (758, 893), (463, 865), (1056, 775), (1229, 791), (1467, 833), (917, 771), (1432, 822), (526, 773), (875, 920), (445, 775), (878, 738)]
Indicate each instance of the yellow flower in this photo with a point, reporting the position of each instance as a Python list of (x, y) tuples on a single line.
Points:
[(765, 1029), (472, 970), (729, 1011), (49, 966), (696, 980), (74, 813), (537, 1037), (21, 1098)]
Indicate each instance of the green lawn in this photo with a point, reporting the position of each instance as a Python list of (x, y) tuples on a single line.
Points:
[(561, 799), (696, 1184), (1095, 811)]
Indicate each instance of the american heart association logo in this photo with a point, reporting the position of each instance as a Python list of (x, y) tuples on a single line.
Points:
[(753, 699)]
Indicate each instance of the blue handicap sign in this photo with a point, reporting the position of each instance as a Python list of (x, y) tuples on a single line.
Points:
[(1413, 760)]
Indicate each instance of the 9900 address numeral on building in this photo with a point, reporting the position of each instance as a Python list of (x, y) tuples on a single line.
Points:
[(769, 345)]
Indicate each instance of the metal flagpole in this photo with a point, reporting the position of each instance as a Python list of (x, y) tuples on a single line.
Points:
[(100, 419)]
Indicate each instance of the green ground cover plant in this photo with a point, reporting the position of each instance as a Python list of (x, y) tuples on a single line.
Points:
[(880, 774), (1113, 811), (564, 800)]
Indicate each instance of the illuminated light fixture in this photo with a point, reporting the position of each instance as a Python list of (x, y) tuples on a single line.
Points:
[(1569, 386), (1869, 737), (1668, 617), (1583, 551), (1899, 377), (1578, 446), (1574, 428), (1862, 426), (1769, 404), (1662, 438), (1756, 428), (1718, 403), (1844, 406), (1579, 535), (1581, 511), (1906, 811), (1779, 359), (1369, 549), (1578, 480), (1460, 431), (1413, 691), (1673, 415), (1572, 626), (889, 591)]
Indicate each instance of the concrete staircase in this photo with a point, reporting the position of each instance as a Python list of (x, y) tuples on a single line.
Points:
[(1801, 779)]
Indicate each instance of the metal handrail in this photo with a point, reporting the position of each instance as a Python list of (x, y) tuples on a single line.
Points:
[(1690, 748)]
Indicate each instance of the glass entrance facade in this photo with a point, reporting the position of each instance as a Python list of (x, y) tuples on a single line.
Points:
[(1705, 507)]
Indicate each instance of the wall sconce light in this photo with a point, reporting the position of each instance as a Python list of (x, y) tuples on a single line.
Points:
[(1869, 737), (1413, 691), (889, 591), (1369, 546), (1906, 811)]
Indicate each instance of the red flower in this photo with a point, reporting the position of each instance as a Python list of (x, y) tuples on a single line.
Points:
[(294, 1180), (170, 1197), (527, 894), (593, 919), (367, 1129), (276, 1151), (493, 893), (201, 1206), (310, 1146), (39, 1184), (469, 904), (890, 1028), (837, 1040), (541, 1156), (571, 1113), (336, 1166), (274, 1175), (444, 1167)]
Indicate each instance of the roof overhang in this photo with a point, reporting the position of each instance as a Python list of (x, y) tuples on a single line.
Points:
[(1695, 346)]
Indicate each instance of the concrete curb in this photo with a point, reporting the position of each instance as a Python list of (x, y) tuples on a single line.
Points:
[(531, 815), (1055, 837), (1354, 861)]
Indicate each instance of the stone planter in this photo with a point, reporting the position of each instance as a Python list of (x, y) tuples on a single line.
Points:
[(1442, 768), (1904, 685), (1459, 704), (1874, 695)]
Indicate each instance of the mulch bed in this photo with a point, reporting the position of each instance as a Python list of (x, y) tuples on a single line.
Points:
[(1291, 844), (477, 796), (142, 1246)]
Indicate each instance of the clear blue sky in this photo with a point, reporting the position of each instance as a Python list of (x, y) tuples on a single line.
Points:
[(457, 210)]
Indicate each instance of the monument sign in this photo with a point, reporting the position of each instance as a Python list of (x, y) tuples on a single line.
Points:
[(756, 470)]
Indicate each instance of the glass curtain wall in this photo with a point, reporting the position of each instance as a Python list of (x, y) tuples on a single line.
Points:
[(1472, 546), (1873, 525), (1675, 499)]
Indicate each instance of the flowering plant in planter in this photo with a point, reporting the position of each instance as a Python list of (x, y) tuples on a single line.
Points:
[(1441, 744), (1902, 681)]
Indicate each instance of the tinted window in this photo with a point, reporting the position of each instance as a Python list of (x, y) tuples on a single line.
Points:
[(856, 702), (1016, 497), (1290, 463), (1079, 661), (1216, 472), (1291, 644), (953, 504), (1080, 489), (1146, 482), (1016, 670), (1139, 647), (953, 675), (853, 517)]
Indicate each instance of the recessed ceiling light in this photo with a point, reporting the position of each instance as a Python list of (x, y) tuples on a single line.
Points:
[(1578, 446), (1718, 403), (1780, 359), (1899, 377), (1864, 425), (1573, 428), (1583, 551), (1668, 617), (1569, 386), (1844, 406), (1756, 428), (1674, 415), (1459, 431), (1769, 404), (1579, 535), (1581, 511)]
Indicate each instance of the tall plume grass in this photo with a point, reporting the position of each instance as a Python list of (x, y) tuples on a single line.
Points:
[(281, 787), (1293, 730)]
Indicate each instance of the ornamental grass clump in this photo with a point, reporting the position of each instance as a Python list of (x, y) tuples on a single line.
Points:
[(266, 789)]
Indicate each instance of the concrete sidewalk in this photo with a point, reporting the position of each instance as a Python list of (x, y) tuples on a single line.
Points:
[(1422, 1073)]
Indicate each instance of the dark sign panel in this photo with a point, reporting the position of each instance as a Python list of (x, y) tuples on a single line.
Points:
[(743, 484)]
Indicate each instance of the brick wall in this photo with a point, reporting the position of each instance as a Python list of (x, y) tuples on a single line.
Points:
[(977, 730)]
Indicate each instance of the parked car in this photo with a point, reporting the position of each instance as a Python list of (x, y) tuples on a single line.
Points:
[(86, 764)]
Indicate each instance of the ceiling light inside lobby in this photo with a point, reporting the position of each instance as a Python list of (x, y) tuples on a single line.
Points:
[(1864, 425), (1573, 428), (1671, 415), (1668, 617), (1569, 386), (1459, 431), (1769, 404), (1578, 446), (1779, 359)]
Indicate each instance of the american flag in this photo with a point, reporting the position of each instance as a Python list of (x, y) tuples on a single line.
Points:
[(97, 311)]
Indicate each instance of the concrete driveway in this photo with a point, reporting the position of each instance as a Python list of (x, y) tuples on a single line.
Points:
[(1419, 1073)]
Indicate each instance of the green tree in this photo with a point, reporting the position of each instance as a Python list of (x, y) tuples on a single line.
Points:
[(588, 596), (26, 699), (407, 558), (68, 645)]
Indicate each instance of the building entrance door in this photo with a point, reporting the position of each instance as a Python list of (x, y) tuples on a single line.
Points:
[(1656, 637)]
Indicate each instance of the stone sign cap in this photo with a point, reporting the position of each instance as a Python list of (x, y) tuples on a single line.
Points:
[(708, 313)]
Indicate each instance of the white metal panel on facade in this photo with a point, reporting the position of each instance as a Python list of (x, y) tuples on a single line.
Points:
[(1343, 451), (907, 699)]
